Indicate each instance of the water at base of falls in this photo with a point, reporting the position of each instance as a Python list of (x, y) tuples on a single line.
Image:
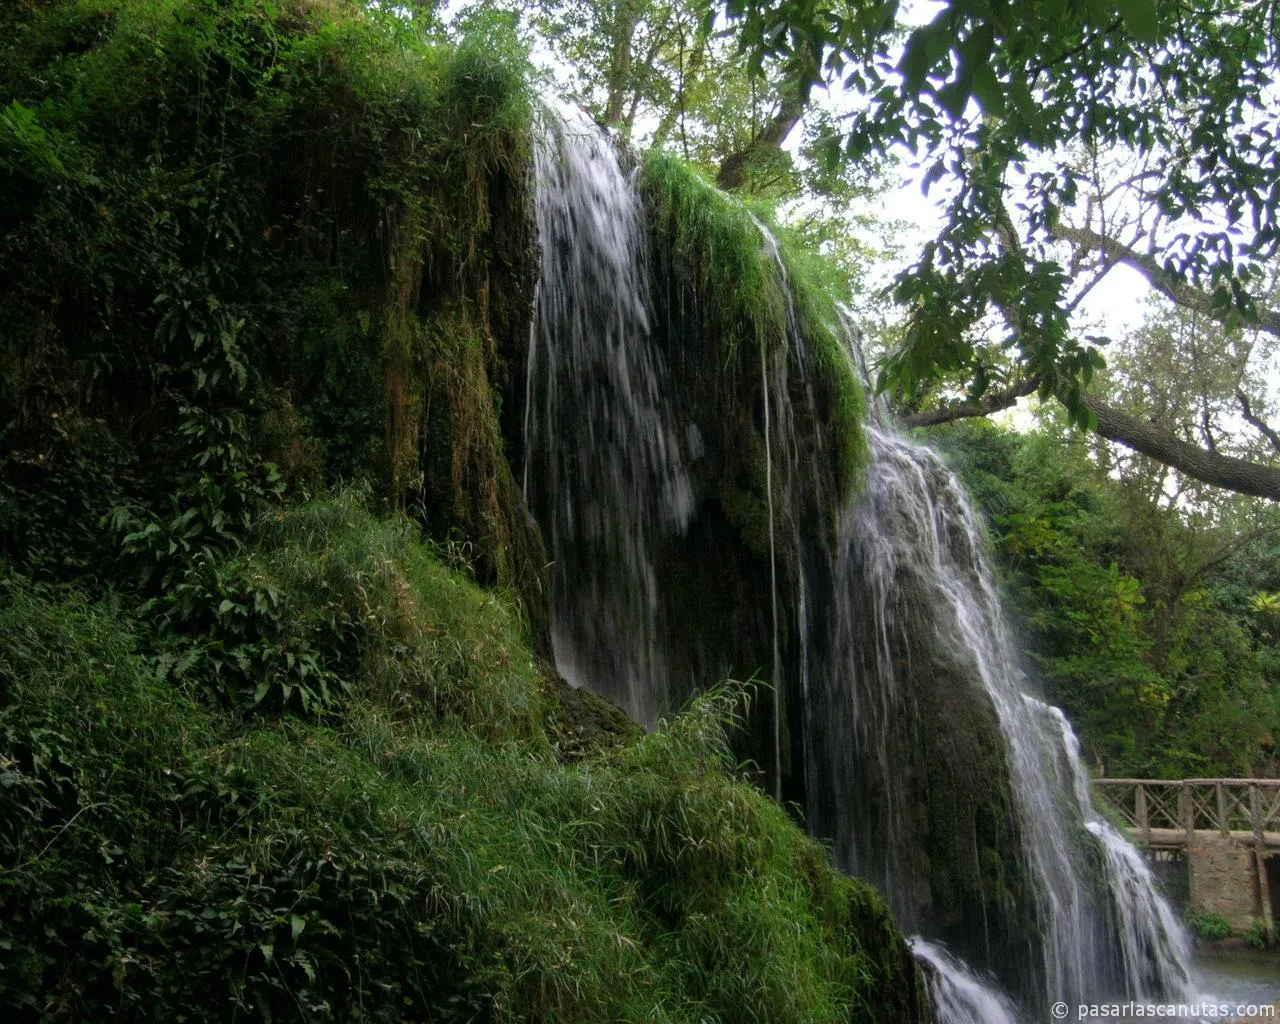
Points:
[(1155, 946), (959, 995), (904, 601)]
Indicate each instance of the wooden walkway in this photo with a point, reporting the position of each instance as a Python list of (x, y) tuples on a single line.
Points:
[(1224, 833), (1167, 813)]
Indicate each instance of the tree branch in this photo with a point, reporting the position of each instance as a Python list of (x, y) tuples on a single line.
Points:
[(1256, 422), (1146, 438), (1142, 436), (992, 401), (1225, 553), (1179, 292), (1166, 447)]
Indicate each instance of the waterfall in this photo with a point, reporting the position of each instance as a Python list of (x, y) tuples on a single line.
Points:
[(1155, 946), (960, 996), (917, 596), (919, 758), (604, 471)]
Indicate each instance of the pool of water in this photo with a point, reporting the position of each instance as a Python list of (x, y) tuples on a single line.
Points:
[(1226, 983), (1239, 976)]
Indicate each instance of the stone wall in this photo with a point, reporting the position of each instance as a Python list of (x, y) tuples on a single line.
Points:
[(1224, 880)]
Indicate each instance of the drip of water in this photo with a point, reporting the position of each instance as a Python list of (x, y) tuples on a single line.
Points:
[(604, 471), (959, 995), (773, 578), (766, 384)]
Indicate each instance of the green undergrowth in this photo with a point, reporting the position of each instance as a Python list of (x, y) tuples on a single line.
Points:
[(715, 244), (414, 845), (327, 602)]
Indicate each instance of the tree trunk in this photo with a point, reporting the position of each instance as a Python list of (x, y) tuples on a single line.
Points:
[(1155, 442), (624, 30), (733, 169)]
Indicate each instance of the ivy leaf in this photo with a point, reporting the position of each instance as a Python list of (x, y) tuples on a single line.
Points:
[(1140, 19), (987, 89)]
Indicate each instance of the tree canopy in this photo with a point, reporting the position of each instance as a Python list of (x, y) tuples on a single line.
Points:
[(1014, 109)]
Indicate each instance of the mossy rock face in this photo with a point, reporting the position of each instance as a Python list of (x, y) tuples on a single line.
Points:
[(920, 763), (326, 275), (580, 723), (275, 275), (759, 378)]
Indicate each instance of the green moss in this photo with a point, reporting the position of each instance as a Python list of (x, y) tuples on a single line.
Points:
[(276, 759), (392, 866), (712, 235), (317, 187), (743, 304)]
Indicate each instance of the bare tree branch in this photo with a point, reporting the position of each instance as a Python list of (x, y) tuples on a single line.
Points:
[(1164, 446), (1262, 428), (1179, 292)]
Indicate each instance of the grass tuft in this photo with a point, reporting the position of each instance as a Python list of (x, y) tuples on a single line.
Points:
[(744, 302)]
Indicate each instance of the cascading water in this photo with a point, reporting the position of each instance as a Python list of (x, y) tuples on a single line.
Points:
[(959, 996), (1155, 946), (916, 589), (603, 472), (923, 764)]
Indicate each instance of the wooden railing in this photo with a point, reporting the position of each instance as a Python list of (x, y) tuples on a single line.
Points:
[(1173, 810)]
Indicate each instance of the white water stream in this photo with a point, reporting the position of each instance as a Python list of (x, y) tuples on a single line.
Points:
[(606, 477)]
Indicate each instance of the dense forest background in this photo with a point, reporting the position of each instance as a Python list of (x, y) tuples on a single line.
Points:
[(1153, 625)]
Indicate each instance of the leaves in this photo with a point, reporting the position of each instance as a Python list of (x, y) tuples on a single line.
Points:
[(1136, 77), (1140, 19)]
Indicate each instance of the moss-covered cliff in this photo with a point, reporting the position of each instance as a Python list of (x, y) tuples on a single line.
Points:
[(266, 274)]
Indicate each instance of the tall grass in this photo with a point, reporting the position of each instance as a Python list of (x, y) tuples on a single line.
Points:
[(404, 858)]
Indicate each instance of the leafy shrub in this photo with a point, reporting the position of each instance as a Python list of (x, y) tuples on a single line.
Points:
[(1209, 925), (1259, 936)]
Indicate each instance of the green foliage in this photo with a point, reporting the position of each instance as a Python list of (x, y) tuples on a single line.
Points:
[(160, 860), (715, 237), (1002, 106), (1259, 936), (1209, 926), (323, 599), (1137, 622), (748, 301), (236, 231), (270, 758)]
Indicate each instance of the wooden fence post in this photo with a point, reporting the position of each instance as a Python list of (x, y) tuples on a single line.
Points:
[(1260, 856), (1187, 811)]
